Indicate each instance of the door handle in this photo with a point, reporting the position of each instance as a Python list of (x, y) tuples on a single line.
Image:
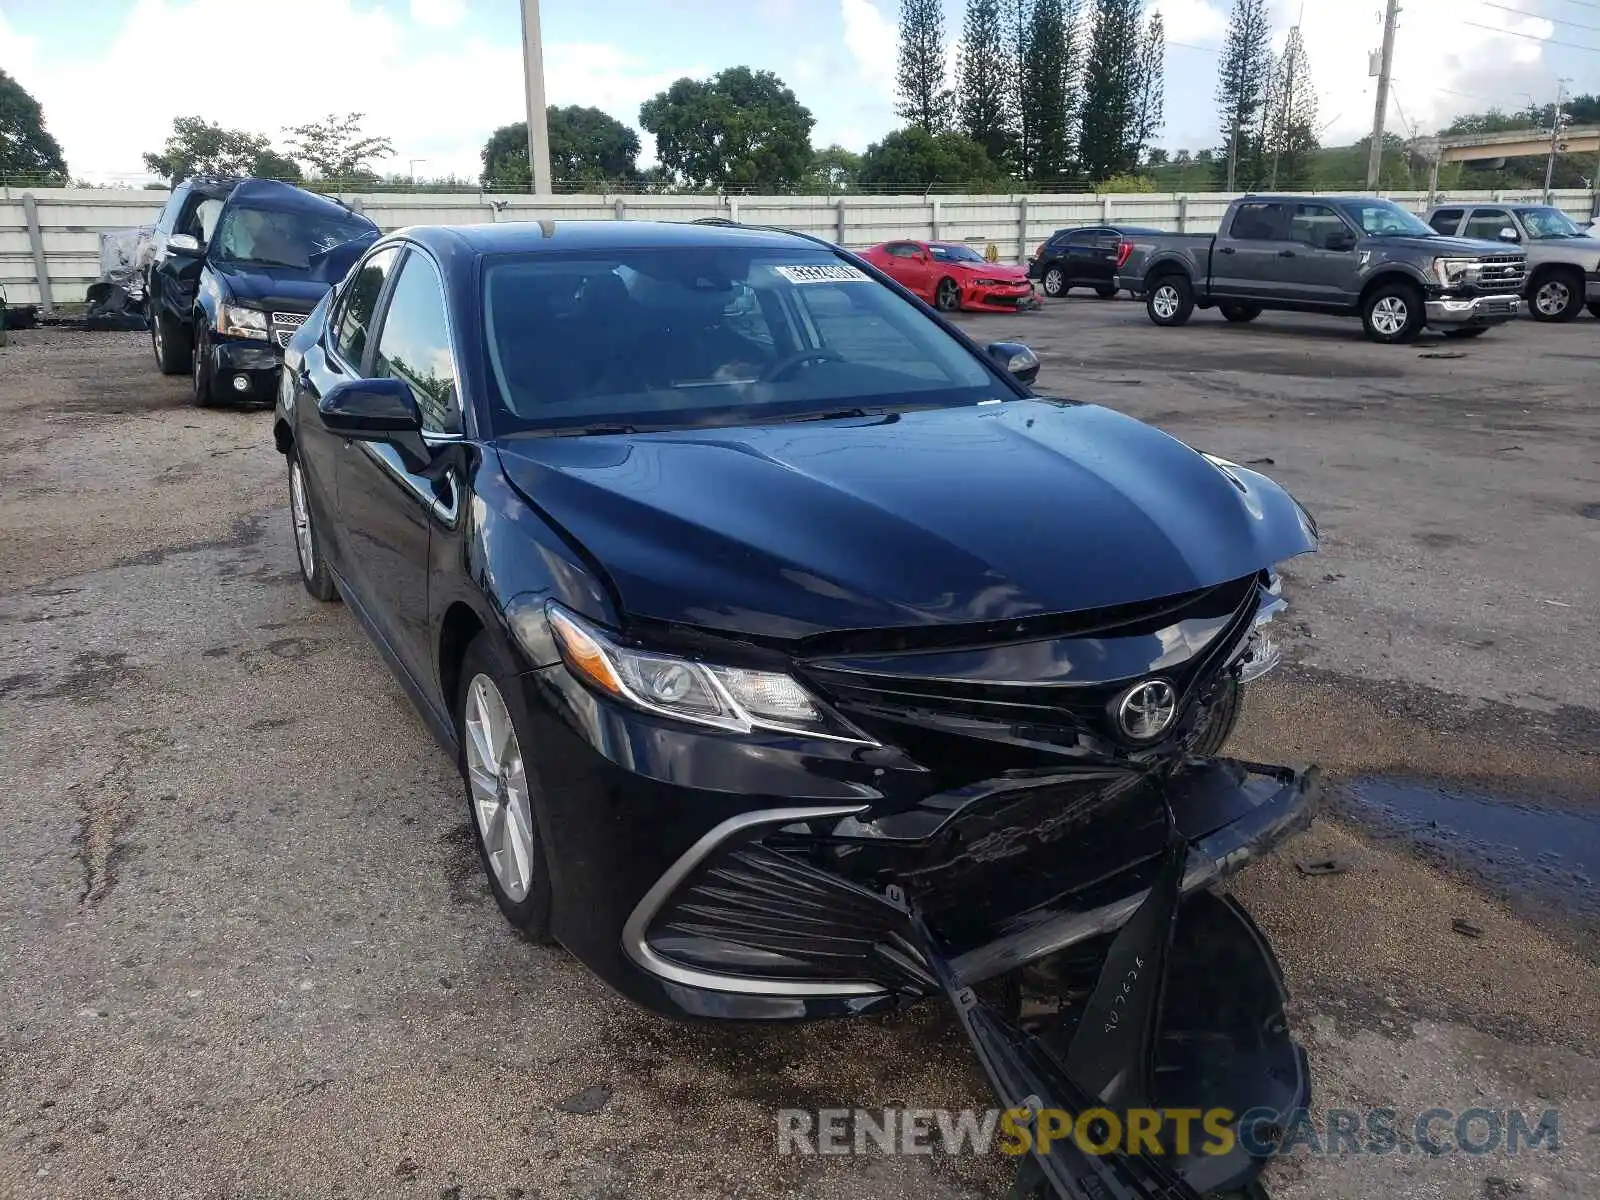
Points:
[(1285, 253), (1226, 250)]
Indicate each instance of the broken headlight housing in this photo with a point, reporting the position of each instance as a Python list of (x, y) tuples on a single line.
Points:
[(233, 320), (738, 699)]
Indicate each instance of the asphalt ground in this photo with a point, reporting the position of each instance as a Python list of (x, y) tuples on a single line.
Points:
[(245, 949)]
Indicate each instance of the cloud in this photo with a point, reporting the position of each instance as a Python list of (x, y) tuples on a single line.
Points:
[(409, 83), (438, 14), (870, 37), (16, 52), (1193, 21)]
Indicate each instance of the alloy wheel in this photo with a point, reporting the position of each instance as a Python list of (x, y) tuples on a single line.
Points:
[(1552, 299), (300, 513), (1165, 301), (1054, 278), (156, 339), (949, 296), (498, 784), (1389, 315)]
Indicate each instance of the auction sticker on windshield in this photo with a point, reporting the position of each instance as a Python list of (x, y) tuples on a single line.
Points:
[(823, 273)]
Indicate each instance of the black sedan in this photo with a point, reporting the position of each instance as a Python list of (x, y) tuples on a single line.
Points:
[(1089, 257), (760, 607)]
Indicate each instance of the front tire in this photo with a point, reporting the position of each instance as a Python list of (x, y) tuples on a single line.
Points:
[(1106, 292), (1475, 331), (201, 375), (1557, 295), (314, 572), (502, 786), (1239, 313), (1169, 300), (947, 296), (172, 344), (1393, 313), (1055, 282)]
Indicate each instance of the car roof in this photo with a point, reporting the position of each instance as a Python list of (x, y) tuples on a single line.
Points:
[(1107, 228), (285, 197), (523, 237)]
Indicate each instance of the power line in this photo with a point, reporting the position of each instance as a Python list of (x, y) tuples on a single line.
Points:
[(1202, 49), (1538, 17), (1530, 37)]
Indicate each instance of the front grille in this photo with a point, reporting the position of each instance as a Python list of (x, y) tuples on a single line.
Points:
[(935, 691), (283, 336), (1502, 273), (293, 320)]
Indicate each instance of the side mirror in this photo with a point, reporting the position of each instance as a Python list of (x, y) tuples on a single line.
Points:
[(378, 410), (1509, 234), (184, 243), (1014, 357), (1341, 240)]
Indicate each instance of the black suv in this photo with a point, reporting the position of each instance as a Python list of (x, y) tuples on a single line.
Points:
[(1088, 257), (236, 267)]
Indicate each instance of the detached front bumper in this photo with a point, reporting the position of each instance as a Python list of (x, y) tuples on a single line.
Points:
[(1454, 311), (1019, 298)]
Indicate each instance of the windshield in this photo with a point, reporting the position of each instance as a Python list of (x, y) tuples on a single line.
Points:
[(270, 237), (1548, 223), (1379, 218), (956, 254), (669, 338)]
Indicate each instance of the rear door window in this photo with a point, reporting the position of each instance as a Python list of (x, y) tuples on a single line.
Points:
[(1445, 221), (1486, 223), (358, 305), (1257, 222)]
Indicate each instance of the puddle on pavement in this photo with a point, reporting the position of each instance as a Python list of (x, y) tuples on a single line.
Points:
[(1541, 857)]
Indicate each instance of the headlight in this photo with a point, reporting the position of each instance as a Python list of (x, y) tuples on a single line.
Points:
[(242, 322), (1451, 272), (734, 698)]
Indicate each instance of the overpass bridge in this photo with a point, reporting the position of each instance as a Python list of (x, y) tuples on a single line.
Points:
[(1510, 143)]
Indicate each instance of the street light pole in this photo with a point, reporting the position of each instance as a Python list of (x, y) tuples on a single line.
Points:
[(1555, 137), (533, 70), (1380, 107)]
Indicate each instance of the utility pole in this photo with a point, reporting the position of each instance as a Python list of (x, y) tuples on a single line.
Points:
[(1380, 107), (533, 69), (1555, 137)]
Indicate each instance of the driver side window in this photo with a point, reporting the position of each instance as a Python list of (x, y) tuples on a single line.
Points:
[(358, 305), (1486, 224), (414, 344)]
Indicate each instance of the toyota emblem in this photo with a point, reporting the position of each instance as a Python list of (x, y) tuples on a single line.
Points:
[(1147, 710)]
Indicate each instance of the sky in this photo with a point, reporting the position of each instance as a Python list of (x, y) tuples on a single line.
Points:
[(437, 76)]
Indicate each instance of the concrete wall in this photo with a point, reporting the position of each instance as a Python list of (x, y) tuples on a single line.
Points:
[(70, 220)]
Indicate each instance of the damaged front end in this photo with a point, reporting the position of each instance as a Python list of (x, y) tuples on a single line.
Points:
[(1114, 815)]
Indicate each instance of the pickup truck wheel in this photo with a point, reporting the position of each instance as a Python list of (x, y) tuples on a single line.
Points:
[(1170, 300), (1393, 313), (1239, 313), (1557, 295), (947, 296), (1106, 292), (171, 343), (1055, 282)]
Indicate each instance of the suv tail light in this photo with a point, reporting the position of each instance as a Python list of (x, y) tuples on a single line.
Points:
[(1124, 249)]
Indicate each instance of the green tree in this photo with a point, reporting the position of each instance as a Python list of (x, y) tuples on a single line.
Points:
[(26, 147), (1019, 21), (197, 147), (1244, 75), (740, 128), (833, 169), (912, 159), (587, 147), (984, 81), (1292, 117), (336, 148), (1049, 87), (1150, 107), (925, 101), (1109, 143)]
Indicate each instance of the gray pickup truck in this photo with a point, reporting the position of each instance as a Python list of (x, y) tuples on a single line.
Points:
[(1563, 257), (1341, 255)]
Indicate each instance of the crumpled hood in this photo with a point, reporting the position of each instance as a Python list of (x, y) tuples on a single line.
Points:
[(954, 515), (989, 270), (281, 289)]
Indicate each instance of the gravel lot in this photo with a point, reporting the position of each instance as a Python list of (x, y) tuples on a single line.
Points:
[(245, 949)]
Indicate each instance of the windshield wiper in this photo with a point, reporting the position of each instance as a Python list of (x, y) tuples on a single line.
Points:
[(834, 414), (588, 430)]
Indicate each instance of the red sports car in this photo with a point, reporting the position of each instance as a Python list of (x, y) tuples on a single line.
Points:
[(951, 276)]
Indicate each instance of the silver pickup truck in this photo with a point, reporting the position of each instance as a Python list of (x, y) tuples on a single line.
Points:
[(1341, 255), (1563, 257)]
